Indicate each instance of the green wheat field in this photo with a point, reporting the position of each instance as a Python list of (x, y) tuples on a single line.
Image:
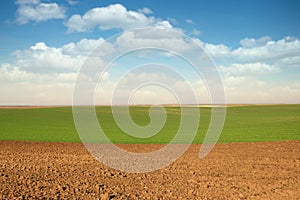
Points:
[(253, 123)]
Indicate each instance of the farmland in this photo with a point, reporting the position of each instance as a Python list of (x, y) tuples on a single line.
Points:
[(257, 156), (253, 123)]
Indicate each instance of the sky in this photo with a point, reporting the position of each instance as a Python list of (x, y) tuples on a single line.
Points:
[(254, 45)]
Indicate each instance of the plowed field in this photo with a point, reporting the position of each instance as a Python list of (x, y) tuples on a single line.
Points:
[(41, 170)]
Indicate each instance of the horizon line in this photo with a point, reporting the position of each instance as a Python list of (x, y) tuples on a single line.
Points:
[(204, 105)]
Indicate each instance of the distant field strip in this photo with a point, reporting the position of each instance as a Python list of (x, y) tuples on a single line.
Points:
[(243, 124)]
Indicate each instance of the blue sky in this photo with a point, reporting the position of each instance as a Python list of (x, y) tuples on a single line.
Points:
[(255, 44), (224, 22)]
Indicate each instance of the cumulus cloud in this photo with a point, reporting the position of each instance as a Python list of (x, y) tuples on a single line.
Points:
[(156, 38), (216, 50), (34, 10), (110, 17), (146, 87), (163, 24), (49, 69), (248, 69), (292, 61), (20, 87), (245, 68), (282, 53), (13, 74), (250, 89), (45, 74), (145, 11), (84, 47), (251, 42), (10, 73), (41, 75), (266, 49), (29, 93), (42, 58)]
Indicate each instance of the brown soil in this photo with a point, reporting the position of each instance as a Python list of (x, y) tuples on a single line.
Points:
[(36, 170), (27, 107)]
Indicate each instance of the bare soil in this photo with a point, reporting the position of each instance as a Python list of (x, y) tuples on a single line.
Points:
[(27, 107), (39, 170)]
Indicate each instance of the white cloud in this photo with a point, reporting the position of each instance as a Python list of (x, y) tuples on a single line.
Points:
[(29, 93), (293, 61), (172, 20), (41, 58), (85, 47), (216, 50), (253, 90), (256, 50), (57, 88), (169, 39), (195, 32), (150, 87), (251, 42), (13, 74), (189, 21), (25, 2), (19, 87), (163, 24), (34, 10), (244, 69), (72, 2), (52, 70), (110, 17), (145, 11), (249, 69), (282, 53), (10, 73), (45, 75), (267, 50), (153, 94)]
